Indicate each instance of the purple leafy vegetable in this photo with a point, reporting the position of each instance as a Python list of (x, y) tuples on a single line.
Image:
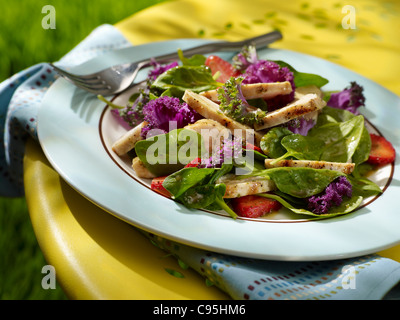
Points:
[(350, 99), (167, 113), (332, 196)]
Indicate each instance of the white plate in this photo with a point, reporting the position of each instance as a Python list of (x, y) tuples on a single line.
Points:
[(76, 131)]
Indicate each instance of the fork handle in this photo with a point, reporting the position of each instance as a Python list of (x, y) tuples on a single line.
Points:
[(259, 41)]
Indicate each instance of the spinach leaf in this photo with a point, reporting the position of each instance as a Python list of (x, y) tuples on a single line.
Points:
[(341, 139), (338, 136), (330, 114), (361, 154), (302, 147), (196, 188), (179, 79), (270, 143), (347, 206), (302, 79), (335, 115), (202, 196), (364, 187), (206, 196), (166, 153), (219, 172), (179, 182), (259, 103), (301, 182), (195, 60)]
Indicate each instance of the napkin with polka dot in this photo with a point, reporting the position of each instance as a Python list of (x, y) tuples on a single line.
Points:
[(368, 277)]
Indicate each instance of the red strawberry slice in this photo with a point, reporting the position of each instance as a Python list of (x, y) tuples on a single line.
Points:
[(253, 206), (157, 185), (250, 146), (194, 163), (226, 70), (382, 151)]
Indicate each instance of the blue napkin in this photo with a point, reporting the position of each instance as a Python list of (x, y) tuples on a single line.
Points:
[(367, 277), (363, 278)]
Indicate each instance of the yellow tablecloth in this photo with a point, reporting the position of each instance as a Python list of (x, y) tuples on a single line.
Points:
[(95, 255), (312, 27), (100, 257)]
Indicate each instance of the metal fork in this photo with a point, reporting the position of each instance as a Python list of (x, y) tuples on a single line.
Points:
[(120, 77)]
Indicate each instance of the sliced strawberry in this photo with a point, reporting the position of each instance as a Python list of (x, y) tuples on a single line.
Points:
[(382, 151), (253, 206), (194, 163), (157, 185), (250, 146), (226, 70)]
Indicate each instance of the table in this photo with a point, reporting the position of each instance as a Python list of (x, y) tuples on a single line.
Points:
[(98, 256)]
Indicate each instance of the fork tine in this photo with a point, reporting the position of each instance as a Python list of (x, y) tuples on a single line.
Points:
[(81, 78), (100, 90), (94, 81), (97, 88), (94, 85)]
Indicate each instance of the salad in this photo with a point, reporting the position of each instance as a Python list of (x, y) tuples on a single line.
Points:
[(250, 136)]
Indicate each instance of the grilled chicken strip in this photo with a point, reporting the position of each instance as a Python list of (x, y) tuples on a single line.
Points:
[(141, 170), (302, 105), (257, 90), (210, 110), (238, 187), (213, 133), (346, 168), (308, 89), (128, 140)]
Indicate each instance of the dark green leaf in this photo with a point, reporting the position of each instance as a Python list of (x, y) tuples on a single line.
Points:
[(195, 60), (364, 187), (341, 139), (302, 79), (348, 205), (178, 182), (271, 142), (335, 115), (209, 283), (302, 147), (195, 78), (258, 103), (183, 265), (202, 196), (167, 153), (174, 273), (301, 182)]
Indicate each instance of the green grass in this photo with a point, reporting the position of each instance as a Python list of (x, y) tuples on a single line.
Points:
[(23, 42), (21, 259)]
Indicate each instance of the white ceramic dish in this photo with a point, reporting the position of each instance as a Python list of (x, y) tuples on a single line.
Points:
[(76, 131)]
